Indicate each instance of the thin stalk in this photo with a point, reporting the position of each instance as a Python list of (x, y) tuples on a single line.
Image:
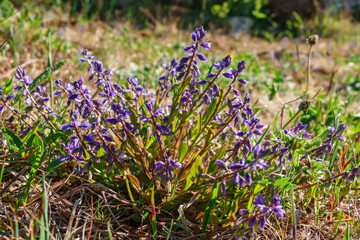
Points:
[(51, 77), (190, 63), (16, 114), (37, 107), (308, 69), (291, 119)]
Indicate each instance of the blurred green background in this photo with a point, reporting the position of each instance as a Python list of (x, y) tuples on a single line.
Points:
[(260, 17)]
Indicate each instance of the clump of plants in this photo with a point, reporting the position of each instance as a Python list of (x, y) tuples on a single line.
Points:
[(193, 150)]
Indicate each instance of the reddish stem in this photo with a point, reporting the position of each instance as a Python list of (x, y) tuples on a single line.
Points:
[(16, 114)]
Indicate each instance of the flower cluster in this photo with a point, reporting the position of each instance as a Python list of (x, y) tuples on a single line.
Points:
[(189, 64), (259, 217), (326, 145), (165, 169)]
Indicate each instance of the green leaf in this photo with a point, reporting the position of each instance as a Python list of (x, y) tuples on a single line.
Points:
[(275, 123), (12, 139), (258, 189), (263, 136), (194, 171), (258, 15), (2, 171), (209, 207), (44, 229), (347, 235), (46, 74), (281, 181), (151, 141), (37, 159), (153, 212), (29, 136), (182, 151), (210, 110), (8, 87), (53, 136)]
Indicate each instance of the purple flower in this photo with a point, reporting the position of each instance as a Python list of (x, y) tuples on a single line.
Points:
[(248, 178), (228, 74), (66, 127), (165, 170), (143, 118), (242, 81), (201, 57), (259, 202), (262, 222), (112, 121), (207, 99), (277, 208), (247, 98), (226, 62), (235, 166), (241, 66), (198, 34), (252, 222), (189, 48), (9, 98), (211, 75), (21, 75), (202, 82), (221, 164), (206, 45)]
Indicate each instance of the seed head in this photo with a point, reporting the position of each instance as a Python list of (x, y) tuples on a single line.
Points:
[(313, 39)]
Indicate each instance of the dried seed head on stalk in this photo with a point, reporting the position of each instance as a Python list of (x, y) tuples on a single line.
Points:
[(313, 39)]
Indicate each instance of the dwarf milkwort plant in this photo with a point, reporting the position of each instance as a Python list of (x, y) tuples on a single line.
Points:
[(193, 140)]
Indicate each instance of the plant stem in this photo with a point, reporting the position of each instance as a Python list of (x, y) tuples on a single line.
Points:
[(291, 119), (16, 114), (308, 69), (39, 110)]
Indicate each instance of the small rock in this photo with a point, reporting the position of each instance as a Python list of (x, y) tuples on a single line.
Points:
[(240, 24)]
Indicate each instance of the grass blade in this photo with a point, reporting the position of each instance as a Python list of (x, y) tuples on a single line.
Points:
[(209, 207)]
